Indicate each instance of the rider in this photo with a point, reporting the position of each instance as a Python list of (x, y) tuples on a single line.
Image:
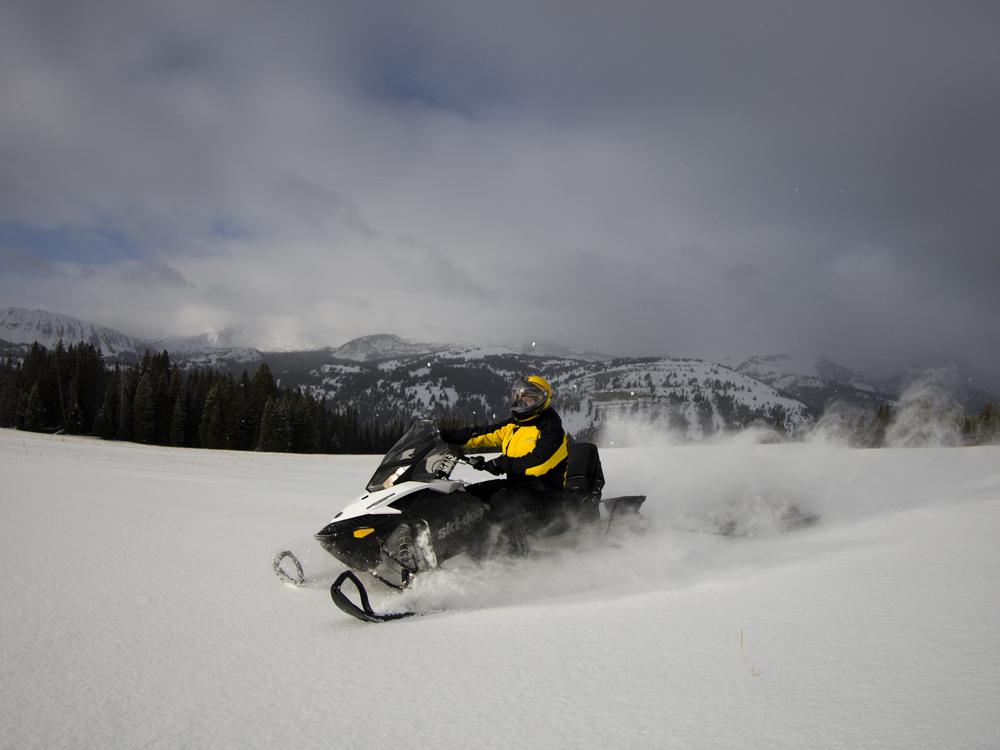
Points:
[(533, 445)]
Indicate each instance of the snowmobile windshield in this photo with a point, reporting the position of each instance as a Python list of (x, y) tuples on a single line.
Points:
[(418, 456)]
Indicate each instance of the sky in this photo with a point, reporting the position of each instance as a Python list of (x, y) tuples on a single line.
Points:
[(640, 178)]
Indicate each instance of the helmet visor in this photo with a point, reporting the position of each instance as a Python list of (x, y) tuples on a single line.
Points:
[(526, 396)]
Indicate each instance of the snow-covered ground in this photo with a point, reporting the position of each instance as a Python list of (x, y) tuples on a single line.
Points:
[(138, 608)]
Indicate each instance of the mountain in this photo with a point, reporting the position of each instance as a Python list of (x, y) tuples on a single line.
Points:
[(222, 338), (19, 328), (547, 349), (691, 398), (820, 382), (380, 346), (816, 383)]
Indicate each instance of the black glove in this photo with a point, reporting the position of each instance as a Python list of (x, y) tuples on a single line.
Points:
[(495, 467)]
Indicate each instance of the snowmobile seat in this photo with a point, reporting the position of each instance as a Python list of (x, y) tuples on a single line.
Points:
[(584, 480), (583, 471)]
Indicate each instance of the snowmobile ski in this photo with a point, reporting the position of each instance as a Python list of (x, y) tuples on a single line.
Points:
[(365, 613), (295, 575)]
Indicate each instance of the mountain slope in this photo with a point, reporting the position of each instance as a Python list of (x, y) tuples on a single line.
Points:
[(815, 383), (21, 326), (692, 398), (380, 346)]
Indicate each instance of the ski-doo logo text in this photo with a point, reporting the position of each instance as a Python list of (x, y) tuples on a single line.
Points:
[(380, 501), (462, 522)]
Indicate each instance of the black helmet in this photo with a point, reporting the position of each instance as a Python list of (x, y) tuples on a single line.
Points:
[(529, 397)]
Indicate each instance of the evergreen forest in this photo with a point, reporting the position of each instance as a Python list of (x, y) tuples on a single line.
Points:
[(72, 390)]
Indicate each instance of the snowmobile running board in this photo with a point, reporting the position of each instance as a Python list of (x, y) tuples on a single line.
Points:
[(365, 611)]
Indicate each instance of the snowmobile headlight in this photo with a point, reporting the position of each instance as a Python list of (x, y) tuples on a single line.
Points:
[(362, 533)]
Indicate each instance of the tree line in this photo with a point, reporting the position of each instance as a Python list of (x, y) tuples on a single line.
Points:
[(870, 430), (73, 390)]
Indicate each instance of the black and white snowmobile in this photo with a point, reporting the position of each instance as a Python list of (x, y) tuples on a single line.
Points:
[(414, 517)]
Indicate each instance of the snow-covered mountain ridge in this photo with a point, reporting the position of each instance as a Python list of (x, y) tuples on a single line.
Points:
[(380, 346), (814, 382), (23, 327), (471, 384), (388, 378)]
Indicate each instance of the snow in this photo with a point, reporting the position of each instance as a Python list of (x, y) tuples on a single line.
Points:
[(21, 326), (787, 373), (380, 346), (139, 608), (646, 390)]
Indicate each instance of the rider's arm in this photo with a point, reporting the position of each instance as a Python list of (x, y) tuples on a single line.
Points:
[(543, 451), (479, 438)]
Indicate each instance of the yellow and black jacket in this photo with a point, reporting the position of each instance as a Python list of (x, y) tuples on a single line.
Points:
[(534, 448)]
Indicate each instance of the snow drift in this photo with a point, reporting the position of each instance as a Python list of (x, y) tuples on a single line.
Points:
[(139, 607)]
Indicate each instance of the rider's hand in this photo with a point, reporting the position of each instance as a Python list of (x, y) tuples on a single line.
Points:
[(477, 462), (494, 467)]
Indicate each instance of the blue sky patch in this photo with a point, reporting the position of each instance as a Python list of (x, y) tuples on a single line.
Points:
[(402, 72), (69, 243)]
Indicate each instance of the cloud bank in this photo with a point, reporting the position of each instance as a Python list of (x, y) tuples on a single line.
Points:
[(683, 178)]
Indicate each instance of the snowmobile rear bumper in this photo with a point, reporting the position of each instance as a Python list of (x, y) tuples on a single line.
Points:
[(621, 506)]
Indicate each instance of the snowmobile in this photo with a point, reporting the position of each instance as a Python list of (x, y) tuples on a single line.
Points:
[(413, 517)]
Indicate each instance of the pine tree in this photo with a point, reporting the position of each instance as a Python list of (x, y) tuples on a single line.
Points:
[(275, 432), (260, 388), (89, 378), (246, 423), (305, 436), (33, 419), (239, 430), (197, 386), (74, 419), (987, 424), (10, 394), (106, 421), (128, 385), (178, 422), (882, 419), (210, 432), (143, 412)]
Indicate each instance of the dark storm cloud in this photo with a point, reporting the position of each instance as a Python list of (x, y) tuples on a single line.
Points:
[(15, 261), (152, 273), (684, 177)]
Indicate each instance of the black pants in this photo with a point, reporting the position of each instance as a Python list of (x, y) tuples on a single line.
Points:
[(538, 503)]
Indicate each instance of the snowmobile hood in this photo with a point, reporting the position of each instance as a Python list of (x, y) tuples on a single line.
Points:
[(378, 503)]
